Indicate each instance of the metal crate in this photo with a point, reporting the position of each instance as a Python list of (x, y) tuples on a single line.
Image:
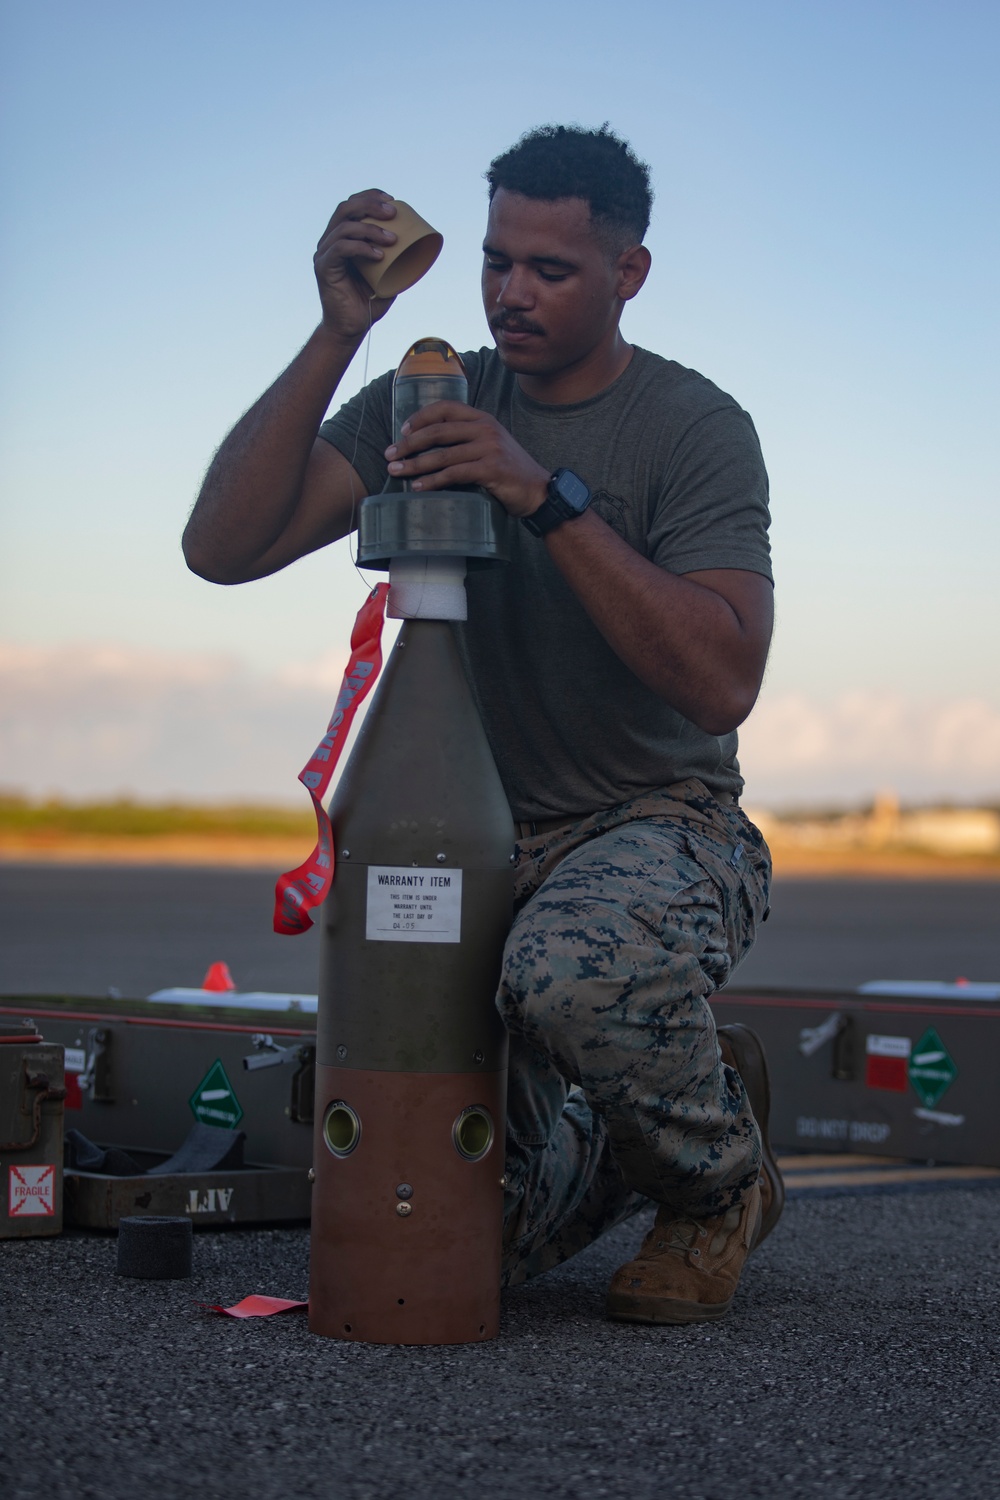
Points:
[(212, 1200), (31, 1133), (900, 1075), (139, 1072)]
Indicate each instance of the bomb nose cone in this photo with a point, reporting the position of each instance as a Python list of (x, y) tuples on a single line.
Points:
[(459, 524), (431, 357), (430, 371)]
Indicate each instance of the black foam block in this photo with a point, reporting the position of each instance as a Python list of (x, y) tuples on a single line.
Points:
[(81, 1155), (155, 1248)]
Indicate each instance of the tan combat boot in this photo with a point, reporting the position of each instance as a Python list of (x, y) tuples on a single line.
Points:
[(687, 1269)]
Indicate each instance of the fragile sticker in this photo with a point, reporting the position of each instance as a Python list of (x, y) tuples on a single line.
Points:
[(412, 905), (31, 1192), (886, 1061)]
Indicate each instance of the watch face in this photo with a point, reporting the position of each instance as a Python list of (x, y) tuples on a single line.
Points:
[(571, 488)]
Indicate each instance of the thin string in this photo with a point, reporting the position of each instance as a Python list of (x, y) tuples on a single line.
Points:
[(354, 454), (357, 439)]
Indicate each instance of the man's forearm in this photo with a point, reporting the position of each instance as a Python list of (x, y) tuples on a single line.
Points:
[(254, 484), (699, 642), (701, 653)]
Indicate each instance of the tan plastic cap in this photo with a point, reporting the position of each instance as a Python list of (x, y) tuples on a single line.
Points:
[(430, 357), (417, 247)]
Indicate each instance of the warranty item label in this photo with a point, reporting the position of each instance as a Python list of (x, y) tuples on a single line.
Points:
[(411, 905)]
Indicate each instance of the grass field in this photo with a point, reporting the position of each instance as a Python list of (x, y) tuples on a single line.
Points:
[(125, 819), (154, 833), (123, 831)]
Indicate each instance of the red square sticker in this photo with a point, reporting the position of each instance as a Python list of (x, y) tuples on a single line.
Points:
[(887, 1062), (886, 1073)]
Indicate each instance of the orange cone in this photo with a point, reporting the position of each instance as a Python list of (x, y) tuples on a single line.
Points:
[(218, 978)]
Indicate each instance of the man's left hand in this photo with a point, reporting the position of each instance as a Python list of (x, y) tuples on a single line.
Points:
[(449, 443)]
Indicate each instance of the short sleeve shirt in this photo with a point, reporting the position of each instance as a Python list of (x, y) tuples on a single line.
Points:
[(675, 468)]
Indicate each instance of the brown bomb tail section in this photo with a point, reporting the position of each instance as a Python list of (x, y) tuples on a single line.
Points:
[(408, 1210)]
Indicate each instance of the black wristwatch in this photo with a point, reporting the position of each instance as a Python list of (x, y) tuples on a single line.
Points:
[(566, 498)]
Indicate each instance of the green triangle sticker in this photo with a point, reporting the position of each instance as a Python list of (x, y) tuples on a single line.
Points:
[(932, 1070), (214, 1102)]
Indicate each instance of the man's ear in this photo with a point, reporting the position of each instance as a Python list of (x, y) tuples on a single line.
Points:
[(632, 267)]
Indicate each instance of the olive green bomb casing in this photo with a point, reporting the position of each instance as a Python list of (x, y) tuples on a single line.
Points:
[(411, 1053)]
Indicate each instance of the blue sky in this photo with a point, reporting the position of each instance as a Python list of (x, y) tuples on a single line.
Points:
[(825, 247)]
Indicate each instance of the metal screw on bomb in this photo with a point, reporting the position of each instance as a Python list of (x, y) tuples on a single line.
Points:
[(412, 1112)]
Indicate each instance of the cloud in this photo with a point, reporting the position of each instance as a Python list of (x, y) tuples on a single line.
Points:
[(93, 721), (795, 747)]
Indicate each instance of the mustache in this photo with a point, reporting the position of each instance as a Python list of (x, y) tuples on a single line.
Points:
[(511, 323)]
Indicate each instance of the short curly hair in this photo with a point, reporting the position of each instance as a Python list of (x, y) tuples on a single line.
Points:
[(566, 161)]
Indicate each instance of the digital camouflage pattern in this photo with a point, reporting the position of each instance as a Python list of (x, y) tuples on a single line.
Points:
[(625, 922)]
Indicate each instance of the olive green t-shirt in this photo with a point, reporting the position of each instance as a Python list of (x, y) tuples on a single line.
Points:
[(675, 468)]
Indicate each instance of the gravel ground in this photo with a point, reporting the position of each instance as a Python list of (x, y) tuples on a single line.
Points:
[(860, 1360)]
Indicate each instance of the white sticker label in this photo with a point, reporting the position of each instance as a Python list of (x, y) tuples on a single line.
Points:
[(31, 1192), (888, 1046), (408, 905), (76, 1059), (938, 1117)]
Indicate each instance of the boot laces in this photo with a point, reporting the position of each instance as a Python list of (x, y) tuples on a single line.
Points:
[(692, 1236), (681, 1236)]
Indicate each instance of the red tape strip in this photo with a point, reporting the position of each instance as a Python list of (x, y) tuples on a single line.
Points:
[(298, 891), (255, 1307)]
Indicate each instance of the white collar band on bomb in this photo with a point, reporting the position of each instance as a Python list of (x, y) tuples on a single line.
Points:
[(427, 588)]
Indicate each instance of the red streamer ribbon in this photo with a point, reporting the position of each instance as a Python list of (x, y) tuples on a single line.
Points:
[(298, 891), (255, 1307)]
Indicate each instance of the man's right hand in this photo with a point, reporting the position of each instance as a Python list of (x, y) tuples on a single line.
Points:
[(348, 305), (275, 491)]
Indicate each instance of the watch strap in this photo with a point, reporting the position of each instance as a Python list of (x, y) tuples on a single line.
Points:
[(546, 518), (556, 507)]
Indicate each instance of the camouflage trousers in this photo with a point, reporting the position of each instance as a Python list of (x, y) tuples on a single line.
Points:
[(625, 922)]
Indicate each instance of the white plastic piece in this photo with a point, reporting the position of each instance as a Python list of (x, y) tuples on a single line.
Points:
[(427, 588), (931, 989), (234, 1000)]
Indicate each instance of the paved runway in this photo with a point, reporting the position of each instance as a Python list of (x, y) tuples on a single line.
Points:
[(860, 1360), (79, 930)]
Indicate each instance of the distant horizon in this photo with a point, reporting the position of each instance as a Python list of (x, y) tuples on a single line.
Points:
[(819, 809), (98, 721)]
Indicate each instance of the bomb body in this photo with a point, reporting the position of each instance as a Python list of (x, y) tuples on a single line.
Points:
[(411, 1053)]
